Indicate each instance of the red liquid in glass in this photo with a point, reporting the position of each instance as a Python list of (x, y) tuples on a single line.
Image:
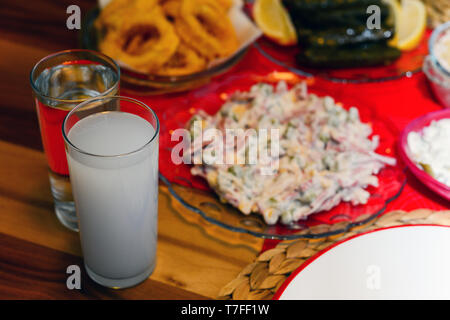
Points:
[(88, 80), (50, 121)]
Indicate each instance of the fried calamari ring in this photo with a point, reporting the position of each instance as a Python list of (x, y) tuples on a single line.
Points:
[(146, 41), (184, 61), (144, 34), (171, 8), (205, 26), (226, 4), (111, 17)]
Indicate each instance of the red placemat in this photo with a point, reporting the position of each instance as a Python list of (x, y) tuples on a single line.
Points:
[(400, 101)]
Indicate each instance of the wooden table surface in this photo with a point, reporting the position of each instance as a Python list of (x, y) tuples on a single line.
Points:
[(194, 261)]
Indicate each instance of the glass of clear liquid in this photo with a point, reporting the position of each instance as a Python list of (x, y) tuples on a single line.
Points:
[(112, 152), (61, 81)]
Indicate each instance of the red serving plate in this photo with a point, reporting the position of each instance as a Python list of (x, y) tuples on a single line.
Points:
[(417, 125)]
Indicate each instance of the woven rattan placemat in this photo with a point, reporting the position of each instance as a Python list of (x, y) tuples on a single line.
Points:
[(262, 278)]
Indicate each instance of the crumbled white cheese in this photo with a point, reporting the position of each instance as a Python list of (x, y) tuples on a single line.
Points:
[(430, 149)]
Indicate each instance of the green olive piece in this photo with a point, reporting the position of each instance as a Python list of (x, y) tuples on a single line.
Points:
[(427, 168)]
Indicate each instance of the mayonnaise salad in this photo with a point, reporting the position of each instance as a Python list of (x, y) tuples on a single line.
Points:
[(430, 149), (326, 153)]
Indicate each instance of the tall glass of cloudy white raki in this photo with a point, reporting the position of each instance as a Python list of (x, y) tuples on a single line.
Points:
[(112, 152)]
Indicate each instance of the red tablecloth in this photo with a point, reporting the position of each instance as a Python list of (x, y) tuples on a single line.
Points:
[(399, 100)]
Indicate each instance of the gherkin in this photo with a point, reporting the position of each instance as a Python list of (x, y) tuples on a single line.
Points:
[(335, 33), (362, 56)]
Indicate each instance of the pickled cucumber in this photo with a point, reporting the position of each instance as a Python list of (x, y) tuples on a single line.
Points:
[(334, 37), (334, 33), (369, 54), (349, 17), (295, 6)]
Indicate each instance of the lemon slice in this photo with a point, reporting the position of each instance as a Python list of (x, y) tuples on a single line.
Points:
[(410, 24), (394, 16), (274, 21)]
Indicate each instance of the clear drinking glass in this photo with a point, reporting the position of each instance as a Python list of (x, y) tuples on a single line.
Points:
[(61, 81), (112, 152)]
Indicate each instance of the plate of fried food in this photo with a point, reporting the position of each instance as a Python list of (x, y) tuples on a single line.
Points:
[(169, 45)]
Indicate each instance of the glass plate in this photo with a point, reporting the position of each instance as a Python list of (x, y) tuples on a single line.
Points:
[(409, 62), (148, 84), (194, 193)]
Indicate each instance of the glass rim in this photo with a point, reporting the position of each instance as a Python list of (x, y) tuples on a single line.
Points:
[(430, 68), (98, 98), (68, 51), (437, 32)]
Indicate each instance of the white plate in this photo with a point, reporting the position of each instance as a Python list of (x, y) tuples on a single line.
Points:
[(405, 262)]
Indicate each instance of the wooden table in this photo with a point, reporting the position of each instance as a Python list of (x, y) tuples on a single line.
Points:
[(193, 260)]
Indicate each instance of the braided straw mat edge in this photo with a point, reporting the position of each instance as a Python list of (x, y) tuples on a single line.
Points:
[(263, 277)]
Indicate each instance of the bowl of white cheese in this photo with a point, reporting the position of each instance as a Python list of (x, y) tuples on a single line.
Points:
[(425, 149)]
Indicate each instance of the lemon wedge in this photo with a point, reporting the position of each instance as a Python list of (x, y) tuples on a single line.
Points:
[(410, 23), (394, 16), (274, 21)]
